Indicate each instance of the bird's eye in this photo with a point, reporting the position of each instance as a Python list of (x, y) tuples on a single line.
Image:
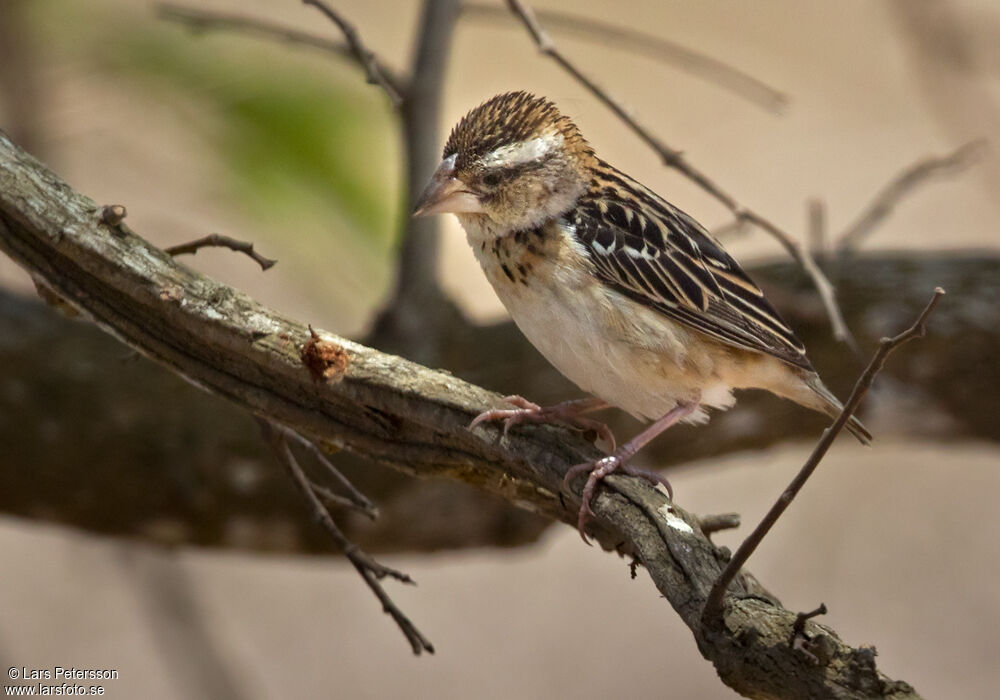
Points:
[(491, 179)]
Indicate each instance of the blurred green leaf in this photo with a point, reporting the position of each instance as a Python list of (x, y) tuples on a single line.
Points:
[(294, 137), (305, 151)]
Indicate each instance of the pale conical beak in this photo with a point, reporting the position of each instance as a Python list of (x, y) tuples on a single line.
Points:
[(446, 194)]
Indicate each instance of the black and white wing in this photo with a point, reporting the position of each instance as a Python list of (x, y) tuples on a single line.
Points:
[(657, 255)]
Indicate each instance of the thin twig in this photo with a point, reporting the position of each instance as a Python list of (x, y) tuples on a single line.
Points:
[(199, 20), (371, 571), (357, 499), (816, 227), (675, 159), (651, 46), (903, 184), (717, 522), (364, 55), (730, 229), (801, 642), (826, 291), (331, 498), (216, 240), (713, 605), (799, 626)]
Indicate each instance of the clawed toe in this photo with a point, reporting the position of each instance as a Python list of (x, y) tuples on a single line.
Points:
[(524, 411), (619, 461), (572, 472), (522, 403), (654, 478), (487, 416), (509, 416), (596, 472), (566, 413)]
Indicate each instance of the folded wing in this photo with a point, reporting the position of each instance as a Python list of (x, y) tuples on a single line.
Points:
[(657, 255)]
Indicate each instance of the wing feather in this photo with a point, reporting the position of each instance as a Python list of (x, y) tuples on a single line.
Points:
[(657, 255)]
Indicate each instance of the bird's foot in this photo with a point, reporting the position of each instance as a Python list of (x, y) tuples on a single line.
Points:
[(618, 461), (567, 413), (598, 470)]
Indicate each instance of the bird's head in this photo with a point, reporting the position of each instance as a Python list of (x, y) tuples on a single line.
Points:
[(515, 160)]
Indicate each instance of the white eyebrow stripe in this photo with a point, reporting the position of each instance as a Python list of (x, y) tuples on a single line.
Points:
[(523, 152)]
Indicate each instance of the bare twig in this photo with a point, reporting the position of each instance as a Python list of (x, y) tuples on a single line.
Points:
[(816, 227), (816, 649), (902, 185), (717, 522), (216, 240), (730, 229), (799, 626), (675, 159), (651, 46), (331, 498), (371, 571), (355, 498), (713, 604), (364, 55), (199, 20), (826, 291)]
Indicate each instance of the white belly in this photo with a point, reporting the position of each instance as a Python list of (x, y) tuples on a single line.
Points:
[(632, 357)]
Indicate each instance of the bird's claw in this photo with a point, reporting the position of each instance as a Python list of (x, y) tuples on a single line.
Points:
[(654, 478), (528, 412), (596, 472)]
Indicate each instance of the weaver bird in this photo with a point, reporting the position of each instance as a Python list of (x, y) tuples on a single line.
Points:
[(628, 296)]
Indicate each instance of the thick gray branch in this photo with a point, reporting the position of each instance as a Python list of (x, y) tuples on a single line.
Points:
[(401, 414)]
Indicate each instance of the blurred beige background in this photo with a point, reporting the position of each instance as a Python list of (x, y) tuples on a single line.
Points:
[(898, 540)]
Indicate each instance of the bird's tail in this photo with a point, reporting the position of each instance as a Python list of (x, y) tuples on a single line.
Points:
[(830, 405)]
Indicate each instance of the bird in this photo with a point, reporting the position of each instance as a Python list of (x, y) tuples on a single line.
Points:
[(625, 294)]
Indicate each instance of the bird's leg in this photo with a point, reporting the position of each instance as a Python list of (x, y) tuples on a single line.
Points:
[(618, 461), (568, 413)]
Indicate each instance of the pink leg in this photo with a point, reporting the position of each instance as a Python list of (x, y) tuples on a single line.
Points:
[(567, 413), (618, 462)]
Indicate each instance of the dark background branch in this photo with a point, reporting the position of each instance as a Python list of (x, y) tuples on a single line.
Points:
[(416, 309)]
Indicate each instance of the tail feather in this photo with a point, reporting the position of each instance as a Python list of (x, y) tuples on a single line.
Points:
[(831, 406)]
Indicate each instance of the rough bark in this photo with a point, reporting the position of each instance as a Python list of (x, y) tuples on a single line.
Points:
[(99, 438), (404, 415)]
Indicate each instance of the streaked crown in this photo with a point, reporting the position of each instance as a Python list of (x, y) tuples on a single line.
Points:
[(510, 118)]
